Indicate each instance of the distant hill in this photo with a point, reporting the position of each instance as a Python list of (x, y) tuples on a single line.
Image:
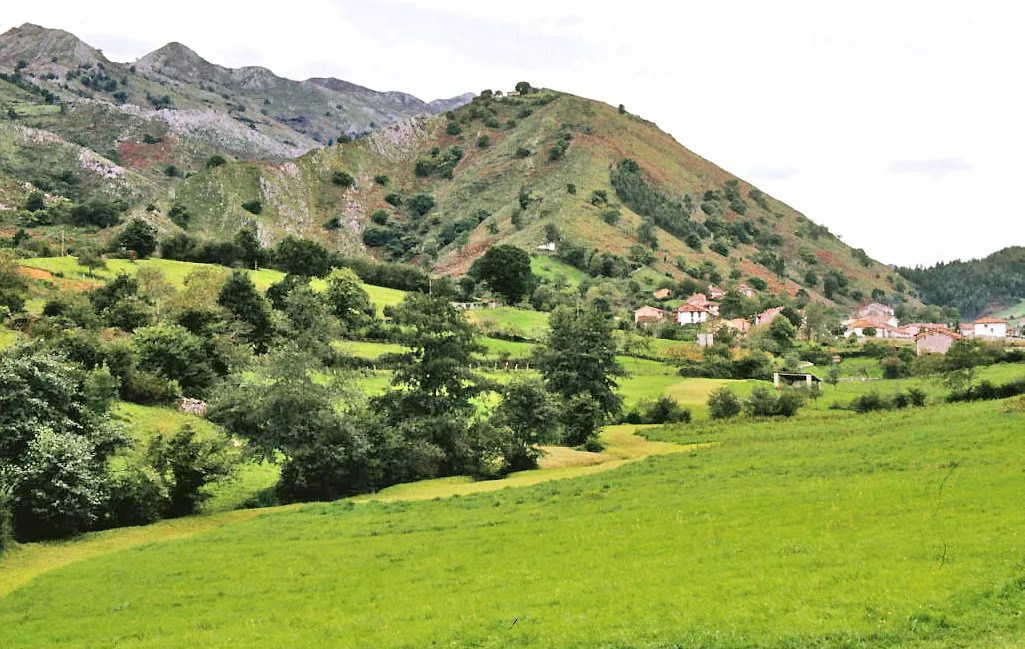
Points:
[(173, 107), (499, 170), (976, 287)]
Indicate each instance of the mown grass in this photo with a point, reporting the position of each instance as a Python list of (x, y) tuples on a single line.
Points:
[(555, 271), (530, 324), (893, 530)]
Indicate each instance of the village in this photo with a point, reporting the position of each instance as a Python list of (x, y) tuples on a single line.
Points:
[(872, 321)]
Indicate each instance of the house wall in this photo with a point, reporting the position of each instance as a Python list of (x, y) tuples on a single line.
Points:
[(934, 344), (991, 330), (691, 317)]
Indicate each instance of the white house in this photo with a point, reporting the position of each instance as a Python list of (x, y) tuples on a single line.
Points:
[(990, 328), (548, 246), (691, 314)]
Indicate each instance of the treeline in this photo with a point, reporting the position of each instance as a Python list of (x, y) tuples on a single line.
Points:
[(291, 255), (973, 286)]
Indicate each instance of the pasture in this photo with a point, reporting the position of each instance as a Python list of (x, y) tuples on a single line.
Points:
[(176, 271), (898, 529)]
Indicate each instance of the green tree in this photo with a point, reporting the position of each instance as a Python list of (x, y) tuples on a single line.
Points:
[(347, 299), (59, 488), (175, 354), (187, 462), (247, 247), (35, 202), (13, 284), (343, 179), (421, 204), (506, 269), (310, 324), (433, 386), (138, 236), (524, 88), (89, 257), (723, 404), (239, 296), (531, 416), (302, 257), (578, 357)]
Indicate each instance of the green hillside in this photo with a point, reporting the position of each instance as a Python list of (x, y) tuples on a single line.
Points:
[(884, 530), (499, 171)]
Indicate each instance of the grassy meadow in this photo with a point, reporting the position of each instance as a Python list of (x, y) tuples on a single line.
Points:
[(898, 529), (176, 271)]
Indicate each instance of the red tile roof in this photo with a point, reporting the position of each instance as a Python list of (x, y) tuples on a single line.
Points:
[(990, 321)]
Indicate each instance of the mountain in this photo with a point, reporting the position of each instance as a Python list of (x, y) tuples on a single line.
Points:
[(976, 287), (173, 110), (439, 191)]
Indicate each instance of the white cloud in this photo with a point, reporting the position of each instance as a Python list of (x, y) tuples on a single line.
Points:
[(822, 105)]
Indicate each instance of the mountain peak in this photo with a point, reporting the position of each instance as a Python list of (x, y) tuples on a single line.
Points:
[(45, 49), (177, 61)]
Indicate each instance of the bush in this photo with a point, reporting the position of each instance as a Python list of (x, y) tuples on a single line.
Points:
[(343, 179), (379, 217), (382, 180), (870, 402), (894, 368), (663, 410), (453, 128), (522, 152), (483, 142), (421, 204), (763, 402), (216, 160), (723, 404), (253, 207)]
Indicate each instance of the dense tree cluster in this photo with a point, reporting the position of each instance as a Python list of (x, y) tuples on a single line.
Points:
[(973, 286)]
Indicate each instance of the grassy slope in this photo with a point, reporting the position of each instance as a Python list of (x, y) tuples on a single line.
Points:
[(176, 271), (900, 529), (301, 197)]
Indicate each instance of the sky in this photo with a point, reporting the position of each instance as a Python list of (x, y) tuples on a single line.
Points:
[(896, 124)]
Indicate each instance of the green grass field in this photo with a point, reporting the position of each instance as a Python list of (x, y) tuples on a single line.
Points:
[(176, 271), (892, 530), (7, 338), (530, 324), (555, 271)]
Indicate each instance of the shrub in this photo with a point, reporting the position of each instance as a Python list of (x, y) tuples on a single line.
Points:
[(571, 188), (253, 207), (522, 152), (216, 160), (393, 199), (421, 204), (342, 179), (663, 410), (380, 217), (723, 404), (382, 180), (611, 216), (763, 402), (870, 402), (483, 142), (894, 368)]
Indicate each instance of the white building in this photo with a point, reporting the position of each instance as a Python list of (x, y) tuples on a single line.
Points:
[(990, 328), (691, 314)]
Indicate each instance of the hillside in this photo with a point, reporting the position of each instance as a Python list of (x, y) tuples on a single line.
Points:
[(993, 284), (500, 169), (171, 111)]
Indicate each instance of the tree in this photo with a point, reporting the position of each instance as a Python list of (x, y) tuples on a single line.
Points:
[(248, 247), (13, 284), (578, 357), (506, 269), (430, 404), (35, 202), (302, 257), (59, 487), (55, 438), (723, 404), (88, 256), (310, 324), (186, 463), (175, 354), (347, 299), (782, 332), (138, 236), (869, 332), (524, 88), (531, 416), (216, 160), (239, 296)]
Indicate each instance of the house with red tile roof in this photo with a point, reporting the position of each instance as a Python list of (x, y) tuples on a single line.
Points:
[(990, 328), (692, 314), (649, 314)]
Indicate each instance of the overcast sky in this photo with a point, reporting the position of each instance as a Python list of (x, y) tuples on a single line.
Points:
[(896, 124)]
